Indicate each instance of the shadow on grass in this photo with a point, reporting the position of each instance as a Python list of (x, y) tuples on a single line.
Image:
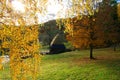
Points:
[(111, 68)]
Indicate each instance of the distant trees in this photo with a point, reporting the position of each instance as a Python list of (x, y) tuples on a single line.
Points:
[(50, 33), (111, 22)]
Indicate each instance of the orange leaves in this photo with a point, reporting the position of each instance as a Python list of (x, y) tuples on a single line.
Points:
[(79, 39), (85, 32)]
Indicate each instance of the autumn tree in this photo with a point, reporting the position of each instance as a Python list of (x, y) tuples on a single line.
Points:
[(80, 9), (94, 30), (86, 34), (111, 23), (21, 37)]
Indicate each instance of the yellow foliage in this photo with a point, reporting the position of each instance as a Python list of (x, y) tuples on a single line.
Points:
[(24, 50), (1, 67)]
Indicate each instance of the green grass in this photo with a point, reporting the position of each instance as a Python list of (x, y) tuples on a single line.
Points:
[(76, 65), (5, 73)]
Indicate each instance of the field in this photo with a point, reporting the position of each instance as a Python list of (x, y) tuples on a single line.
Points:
[(76, 65)]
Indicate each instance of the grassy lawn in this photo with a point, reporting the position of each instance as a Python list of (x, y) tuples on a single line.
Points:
[(5, 73), (76, 65)]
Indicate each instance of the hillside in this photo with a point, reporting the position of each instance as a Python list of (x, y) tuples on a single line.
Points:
[(48, 31)]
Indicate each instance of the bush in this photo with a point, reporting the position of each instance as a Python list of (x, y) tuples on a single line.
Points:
[(69, 46)]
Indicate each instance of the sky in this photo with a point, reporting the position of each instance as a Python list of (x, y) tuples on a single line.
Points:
[(54, 7), (55, 10), (118, 1), (18, 6)]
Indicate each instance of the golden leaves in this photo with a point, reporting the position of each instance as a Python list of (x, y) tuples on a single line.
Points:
[(24, 50), (1, 67), (21, 40)]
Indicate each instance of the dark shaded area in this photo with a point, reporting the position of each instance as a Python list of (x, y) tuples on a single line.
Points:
[(26, 56), (48, 31), (57, 48), (3, 51), (112, 66)]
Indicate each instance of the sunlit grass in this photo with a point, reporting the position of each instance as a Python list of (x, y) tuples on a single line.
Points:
[(5, 72), (76, 65)]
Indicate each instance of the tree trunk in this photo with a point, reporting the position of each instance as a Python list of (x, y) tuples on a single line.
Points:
[(91, 51)]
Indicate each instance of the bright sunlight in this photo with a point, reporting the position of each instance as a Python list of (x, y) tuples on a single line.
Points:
[(53, 8), (18, 6)]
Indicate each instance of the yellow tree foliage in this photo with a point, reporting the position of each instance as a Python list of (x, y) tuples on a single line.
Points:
[(21, 40), (24, 50)]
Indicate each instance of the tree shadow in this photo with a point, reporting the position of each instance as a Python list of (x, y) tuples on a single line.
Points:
[(110, 66)]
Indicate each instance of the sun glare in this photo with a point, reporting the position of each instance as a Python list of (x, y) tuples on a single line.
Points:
[(18, 6), (53, 7)]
